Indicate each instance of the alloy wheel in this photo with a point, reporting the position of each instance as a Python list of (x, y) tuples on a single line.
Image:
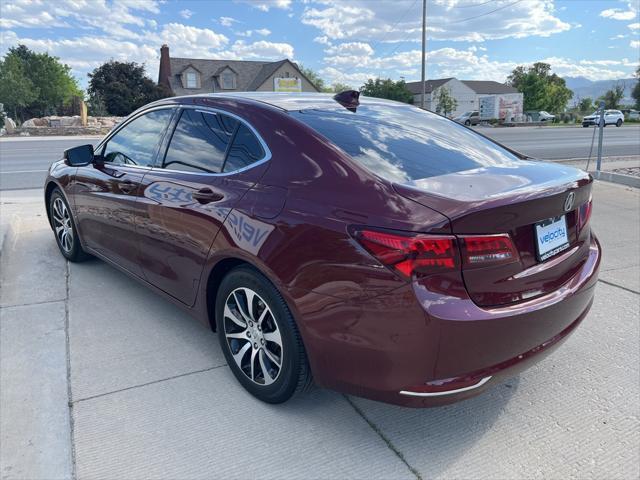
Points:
[(253, 336), (62, 224)]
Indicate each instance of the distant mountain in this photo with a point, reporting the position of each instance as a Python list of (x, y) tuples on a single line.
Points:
[(583, 87)]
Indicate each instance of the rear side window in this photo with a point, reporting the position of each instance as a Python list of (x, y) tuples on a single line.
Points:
[(200, 142), (137, 142), (402, 143), (244, 151)]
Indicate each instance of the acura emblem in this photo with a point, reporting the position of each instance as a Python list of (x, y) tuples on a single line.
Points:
[(568, 203)]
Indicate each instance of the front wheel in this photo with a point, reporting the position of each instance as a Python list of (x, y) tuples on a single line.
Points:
[(467, 123), (64, 228), (259, 337), (619, 123)]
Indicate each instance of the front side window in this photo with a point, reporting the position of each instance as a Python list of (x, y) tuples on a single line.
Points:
[(137, 142), (200, 141), (191, 80)]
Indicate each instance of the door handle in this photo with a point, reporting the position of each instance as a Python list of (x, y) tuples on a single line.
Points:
[(206, 195), (127, 186)]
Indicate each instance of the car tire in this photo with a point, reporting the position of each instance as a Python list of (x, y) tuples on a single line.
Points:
[(467, 123), (64, 228), (619, 123), (264, 350)]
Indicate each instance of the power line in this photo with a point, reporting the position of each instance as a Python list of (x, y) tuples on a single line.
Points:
[(487, 13), (404, 14), (473, 4)]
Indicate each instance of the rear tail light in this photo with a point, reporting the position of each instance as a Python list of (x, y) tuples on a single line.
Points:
[(584, 214), (486, 250), (419, 255), (411, 255)]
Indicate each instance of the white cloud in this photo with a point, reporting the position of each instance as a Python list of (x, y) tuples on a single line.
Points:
[(266, 5), (322, 40), (635, 44), (620, 14), (186, 13), (260, 50), (634, 26), (370, 20), (227, 21), (350, 48), (263, 31)]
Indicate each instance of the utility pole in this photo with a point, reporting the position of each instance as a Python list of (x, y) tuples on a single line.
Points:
[(424, 50), (601, 131)]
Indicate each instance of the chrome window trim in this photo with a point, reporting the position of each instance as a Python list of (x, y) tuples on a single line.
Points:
[(126, 122), (214, 111), (446, 392)]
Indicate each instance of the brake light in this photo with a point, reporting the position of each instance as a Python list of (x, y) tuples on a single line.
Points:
[(486, 250), (584, 214), (411, 255)]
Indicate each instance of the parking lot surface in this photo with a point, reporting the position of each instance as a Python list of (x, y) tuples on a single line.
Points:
[(101, 378)]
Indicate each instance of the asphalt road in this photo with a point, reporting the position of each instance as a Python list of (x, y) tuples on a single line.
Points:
[(102, 378), (555, 143), (24, 161)]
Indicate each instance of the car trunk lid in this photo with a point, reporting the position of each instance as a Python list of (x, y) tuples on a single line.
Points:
[(513, 199)]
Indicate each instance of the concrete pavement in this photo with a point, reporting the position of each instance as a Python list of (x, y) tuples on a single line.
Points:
[(101, 378)]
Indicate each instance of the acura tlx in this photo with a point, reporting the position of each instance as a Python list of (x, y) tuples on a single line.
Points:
[(365, 245)]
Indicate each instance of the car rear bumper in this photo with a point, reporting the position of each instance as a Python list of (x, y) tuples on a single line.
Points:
[(416, 340)]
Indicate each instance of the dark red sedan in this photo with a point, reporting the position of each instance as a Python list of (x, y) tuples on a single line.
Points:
[(367, 245)]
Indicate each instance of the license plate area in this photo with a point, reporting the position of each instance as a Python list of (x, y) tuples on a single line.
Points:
[(552, 237)]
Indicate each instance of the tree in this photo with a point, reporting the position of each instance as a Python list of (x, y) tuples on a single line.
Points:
[(612, 97), (585, 104), (541, 89), (314, 78), (123, 87), (340, 87), (635, 93), (40, 84), (16, 90), (387, 88), (445, 102)]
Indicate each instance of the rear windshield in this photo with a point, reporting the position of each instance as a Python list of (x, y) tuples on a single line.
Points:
[(402, 143)]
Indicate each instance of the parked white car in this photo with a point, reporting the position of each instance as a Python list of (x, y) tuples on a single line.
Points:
[(611, 117), (545, 116)]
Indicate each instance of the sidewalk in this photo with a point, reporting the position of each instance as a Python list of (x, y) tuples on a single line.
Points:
[(101, 378)]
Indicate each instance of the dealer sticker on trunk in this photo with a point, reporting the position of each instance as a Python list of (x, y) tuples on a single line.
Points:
[(552, 237)]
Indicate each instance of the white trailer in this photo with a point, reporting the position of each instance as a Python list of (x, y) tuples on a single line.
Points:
[(506, 107)]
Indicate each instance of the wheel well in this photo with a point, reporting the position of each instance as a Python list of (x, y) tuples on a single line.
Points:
[(51, 186), (213, 284)]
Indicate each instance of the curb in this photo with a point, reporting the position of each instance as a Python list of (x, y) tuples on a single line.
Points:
[(619, 178)]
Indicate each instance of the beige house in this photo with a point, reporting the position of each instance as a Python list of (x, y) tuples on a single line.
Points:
[(188, 76)]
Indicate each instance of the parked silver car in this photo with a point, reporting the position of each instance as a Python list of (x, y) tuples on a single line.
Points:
[(468, 118)]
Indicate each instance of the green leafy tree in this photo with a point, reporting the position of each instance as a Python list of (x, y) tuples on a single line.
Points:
[(445, 103), (613, 97), (635, 93), (123, 87), (315, 79), (40, 84), (542, 90), (16, 89), (387, 88), (340, 87), (585, 104)]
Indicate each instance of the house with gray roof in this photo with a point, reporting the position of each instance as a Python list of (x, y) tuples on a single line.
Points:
[(189, 76), (468, 95)]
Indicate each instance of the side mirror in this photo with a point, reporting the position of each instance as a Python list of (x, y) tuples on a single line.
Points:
[(79, 156)]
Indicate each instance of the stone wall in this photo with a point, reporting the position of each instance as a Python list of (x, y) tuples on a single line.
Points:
[(54, 125)]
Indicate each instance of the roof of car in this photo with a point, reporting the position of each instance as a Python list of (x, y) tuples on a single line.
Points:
[(293, 101)]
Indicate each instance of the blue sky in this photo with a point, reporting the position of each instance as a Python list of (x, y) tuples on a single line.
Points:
[(345, 41)]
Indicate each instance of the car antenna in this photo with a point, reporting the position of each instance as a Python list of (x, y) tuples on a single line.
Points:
[(349, 99)]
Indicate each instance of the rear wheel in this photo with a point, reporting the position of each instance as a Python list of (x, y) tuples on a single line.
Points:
[(619, 123), (64, 228), (259, 337), (467, 123)]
